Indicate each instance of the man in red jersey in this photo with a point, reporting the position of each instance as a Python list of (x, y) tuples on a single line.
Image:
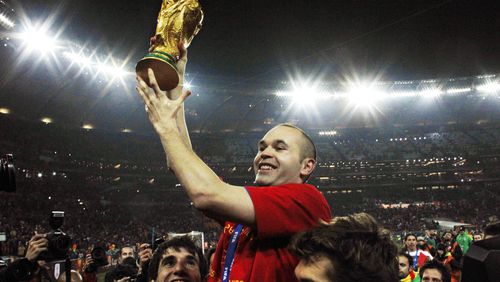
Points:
[(258, 220)]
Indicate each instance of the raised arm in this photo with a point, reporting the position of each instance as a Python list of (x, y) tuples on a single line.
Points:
[(209, 194), (176, 93)]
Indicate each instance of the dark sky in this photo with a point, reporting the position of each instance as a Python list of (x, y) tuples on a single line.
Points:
[(255, 40)]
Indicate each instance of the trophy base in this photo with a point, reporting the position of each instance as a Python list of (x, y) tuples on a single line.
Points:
[(164, 68)]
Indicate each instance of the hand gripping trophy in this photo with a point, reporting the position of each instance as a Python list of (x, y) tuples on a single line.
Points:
[(178, 20)]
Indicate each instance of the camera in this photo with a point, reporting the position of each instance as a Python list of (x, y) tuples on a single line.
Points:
[(7, 174), (127, 268), (59, 242), (157, 242), (99, 257)]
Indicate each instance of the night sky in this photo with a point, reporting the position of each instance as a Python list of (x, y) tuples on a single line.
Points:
[(266, 40)]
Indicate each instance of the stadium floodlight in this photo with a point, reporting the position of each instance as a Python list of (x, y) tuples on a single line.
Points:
[(46, 120), (4, 111), (38, 40), (6, 21), (458, 90), (430, 92), (328, 133), (187, 85), (489, 87), (126, 130), (88, 126), (363, 94), (304, 92)]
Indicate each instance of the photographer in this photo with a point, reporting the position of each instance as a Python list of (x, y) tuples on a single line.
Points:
[(96, 265), (27, 267), (145, 255)]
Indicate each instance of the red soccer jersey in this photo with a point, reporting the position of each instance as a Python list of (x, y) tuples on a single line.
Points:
[(262, 254)]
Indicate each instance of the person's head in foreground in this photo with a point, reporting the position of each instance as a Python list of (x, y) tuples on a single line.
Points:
[(405, 265), (434, 271), (350, 248), (178, 259), (491, 230), (286, 154)]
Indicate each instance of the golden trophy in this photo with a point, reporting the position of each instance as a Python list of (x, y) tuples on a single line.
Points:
[(178, 20)]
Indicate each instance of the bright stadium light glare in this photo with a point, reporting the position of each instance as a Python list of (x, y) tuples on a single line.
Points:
[(364, 95), (281, 93), (431, 92), (489, 87), (187, 85), (38, 40), (4, 20), (458, 90), (306, 95), (112, 71), (88, 126), (4, 111), (78, 58), (46, 120)]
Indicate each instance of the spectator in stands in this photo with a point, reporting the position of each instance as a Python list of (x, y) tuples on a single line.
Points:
[(419, 257), (430, 238), (463, 239), (126, 267), (492, 230), (259, 220), (434, 271), (406, 273), (178, 259), (422, 245), (126, 252), (477, 237), (351, 248), (452, 256)]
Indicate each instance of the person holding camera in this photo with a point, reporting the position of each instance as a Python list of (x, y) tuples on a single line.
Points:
[(94, 263), (27, 267)]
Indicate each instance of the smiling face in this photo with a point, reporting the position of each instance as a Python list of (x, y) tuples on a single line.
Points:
[(179, 265), (279, 159)]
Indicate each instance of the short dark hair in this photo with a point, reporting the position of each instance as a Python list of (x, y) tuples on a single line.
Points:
[(177, 243), (408, 257), (123, 247), (492, 229), (410, 234), (358, 248), (434, 264)]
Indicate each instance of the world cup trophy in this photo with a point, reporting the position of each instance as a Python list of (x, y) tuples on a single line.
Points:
[(178, 20)]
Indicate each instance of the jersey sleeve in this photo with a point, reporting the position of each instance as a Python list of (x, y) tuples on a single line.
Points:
[(281, 211)]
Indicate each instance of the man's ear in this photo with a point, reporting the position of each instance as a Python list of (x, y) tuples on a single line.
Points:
[(307, 167)]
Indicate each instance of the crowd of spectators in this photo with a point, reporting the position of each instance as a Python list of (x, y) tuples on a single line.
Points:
[(116, 190)]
